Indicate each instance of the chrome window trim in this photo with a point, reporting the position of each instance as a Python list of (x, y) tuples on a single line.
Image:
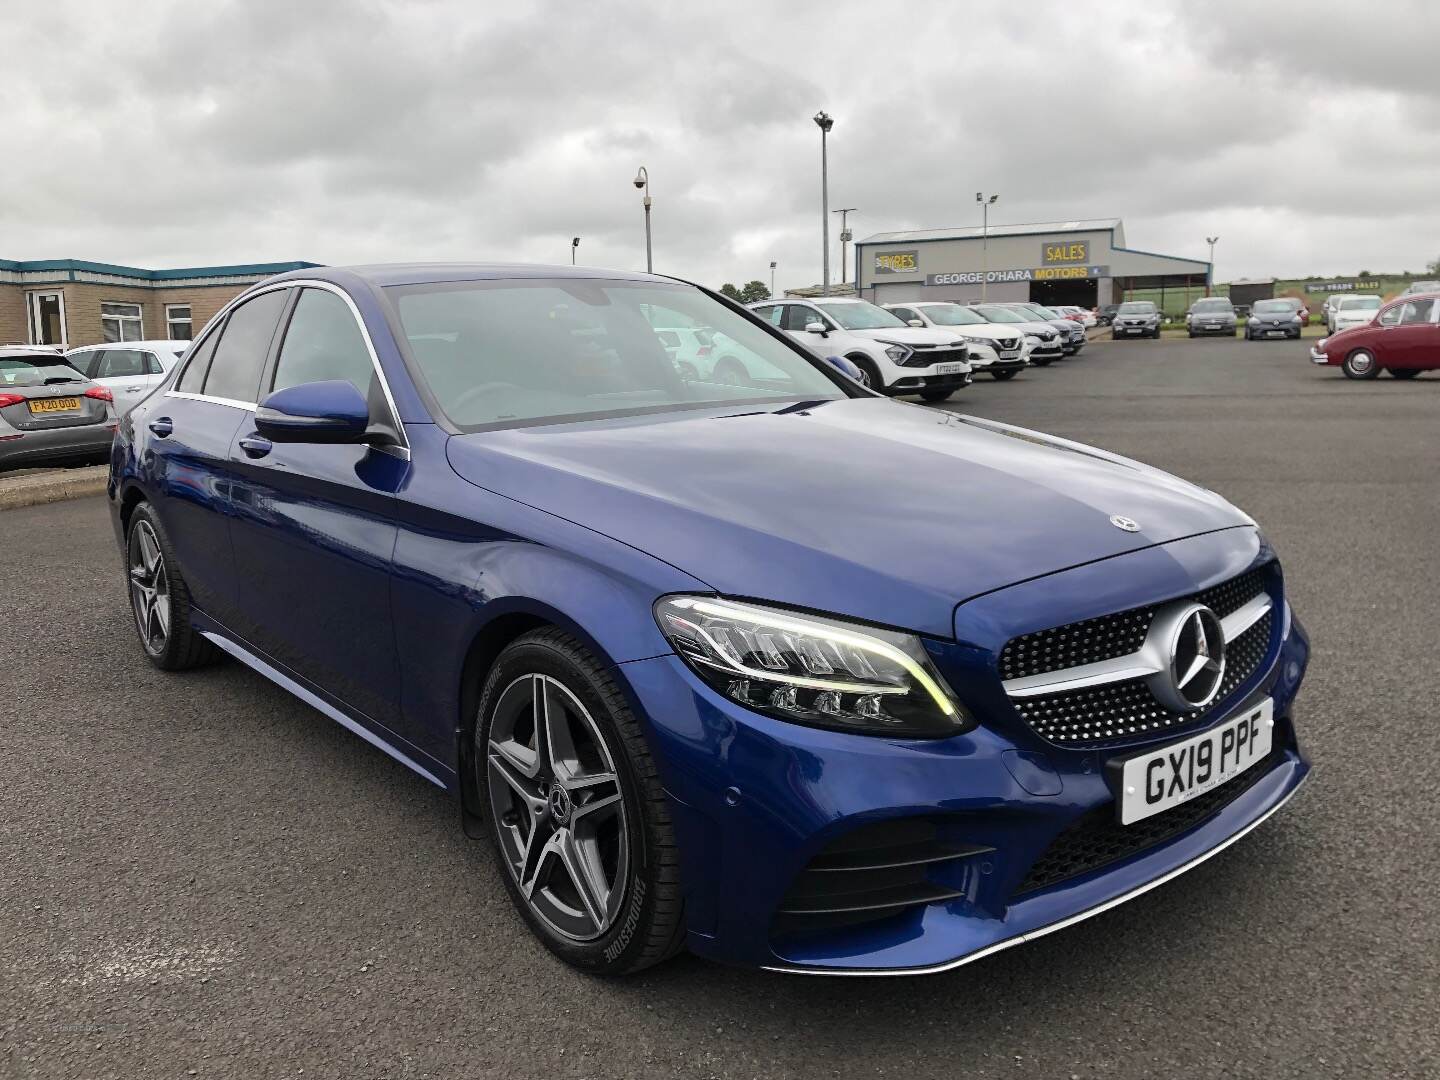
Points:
[(295, 283), (1147, 660)]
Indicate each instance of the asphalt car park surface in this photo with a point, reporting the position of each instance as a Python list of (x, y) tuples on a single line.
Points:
[(201, 875)]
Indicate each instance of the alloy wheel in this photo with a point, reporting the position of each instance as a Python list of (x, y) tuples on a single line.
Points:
[(149, 587), (558, 807)]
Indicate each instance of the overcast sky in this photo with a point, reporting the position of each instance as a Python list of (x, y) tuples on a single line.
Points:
[(1306, 136)]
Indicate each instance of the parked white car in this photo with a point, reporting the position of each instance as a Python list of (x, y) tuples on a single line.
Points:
[(1415, 288), (1084, 316), (1353, 311), (995, 350), (130, 369), (894, 358)]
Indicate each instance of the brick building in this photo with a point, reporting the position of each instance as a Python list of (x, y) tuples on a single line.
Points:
[(71, 302)]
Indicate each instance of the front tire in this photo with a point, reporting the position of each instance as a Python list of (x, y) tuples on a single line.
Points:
[(869, 373), (159, 598), (579, 821), (1360, 364)]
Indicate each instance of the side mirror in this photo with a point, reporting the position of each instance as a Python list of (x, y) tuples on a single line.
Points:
[(817, 327), (845, 367), (914, 322), (316, 412)]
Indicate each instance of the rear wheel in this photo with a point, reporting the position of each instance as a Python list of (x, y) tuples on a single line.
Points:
[(730, 371), (1404, 373), (1360, 364), (1003, 376), (577, 814), (159, 597)]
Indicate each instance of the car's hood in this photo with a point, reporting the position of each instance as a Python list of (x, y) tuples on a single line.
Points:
[(906, 335), (1212, 314), (989, 331), (1136, 316), (888, 512), (1354, 318), (1028, 327)]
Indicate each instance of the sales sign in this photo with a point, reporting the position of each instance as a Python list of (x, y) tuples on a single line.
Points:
[(1066, 253)]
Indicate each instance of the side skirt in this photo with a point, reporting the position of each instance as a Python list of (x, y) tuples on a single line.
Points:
[(284, 681)]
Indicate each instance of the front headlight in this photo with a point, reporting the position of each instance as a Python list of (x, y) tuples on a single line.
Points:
[(898, 353), (812, 670)]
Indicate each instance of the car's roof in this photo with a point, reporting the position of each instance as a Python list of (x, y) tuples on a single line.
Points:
[(31, 350), (156, 343), (383, 274)]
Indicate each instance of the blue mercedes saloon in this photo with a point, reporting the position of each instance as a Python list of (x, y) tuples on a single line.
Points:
[(722, 651)]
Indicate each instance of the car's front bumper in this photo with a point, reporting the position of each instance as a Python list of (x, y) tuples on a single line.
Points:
[(1131, 329), (754, 800), (1319, 356), (1213, 328)]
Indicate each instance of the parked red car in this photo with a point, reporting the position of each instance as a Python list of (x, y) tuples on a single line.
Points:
[(1403, 339)]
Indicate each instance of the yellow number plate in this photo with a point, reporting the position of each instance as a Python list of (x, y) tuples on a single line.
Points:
[(54, 405)]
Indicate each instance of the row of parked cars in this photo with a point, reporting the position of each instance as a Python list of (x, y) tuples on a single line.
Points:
[(56, 405), (929, 348)]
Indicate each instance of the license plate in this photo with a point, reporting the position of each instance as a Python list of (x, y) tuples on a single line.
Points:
[(41, 406), (1274, 333), (1009, 354), (1155, 781), (949, 369)]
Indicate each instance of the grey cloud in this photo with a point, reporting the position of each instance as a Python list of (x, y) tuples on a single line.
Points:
[(178, 133)]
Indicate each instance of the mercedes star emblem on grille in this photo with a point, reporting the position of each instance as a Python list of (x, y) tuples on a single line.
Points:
[(1197, 660)]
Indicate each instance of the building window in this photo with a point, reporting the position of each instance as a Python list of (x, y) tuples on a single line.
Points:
[(121, 322), (46, 311), (177, 322)]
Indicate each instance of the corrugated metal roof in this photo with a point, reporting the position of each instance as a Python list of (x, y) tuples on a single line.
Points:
[(974, 233)]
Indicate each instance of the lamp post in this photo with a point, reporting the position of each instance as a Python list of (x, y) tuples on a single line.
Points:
[(574, 244), (825, 123), (985, 205), (844, 236), (1210, 274), (642, 181), (772, 277)]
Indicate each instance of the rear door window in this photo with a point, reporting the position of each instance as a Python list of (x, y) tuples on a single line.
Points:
[(235, 370), (121, 364)]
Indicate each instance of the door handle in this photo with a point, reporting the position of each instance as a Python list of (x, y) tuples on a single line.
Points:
[(256, 446), (162, 426), (133, 389)]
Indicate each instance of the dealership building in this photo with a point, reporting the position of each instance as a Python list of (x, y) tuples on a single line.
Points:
[(71, 302), (1063, 262)]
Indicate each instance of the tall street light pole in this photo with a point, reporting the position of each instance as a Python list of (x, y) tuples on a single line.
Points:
[(825, 123), (844, 236), (985, 205), (1210, 275), (642, 181), (574, 245), (772, 277)]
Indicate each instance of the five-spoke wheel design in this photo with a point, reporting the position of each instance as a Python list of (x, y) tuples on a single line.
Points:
[(558, 807), (149, 587)]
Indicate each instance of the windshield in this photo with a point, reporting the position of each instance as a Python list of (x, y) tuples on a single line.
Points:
[(36, 371), (527, 351), (1047, 314), (861, 316), (1137, 307), (952, 315), (1360, 303), (1212, 305), (1272, 307), (1000, 314)]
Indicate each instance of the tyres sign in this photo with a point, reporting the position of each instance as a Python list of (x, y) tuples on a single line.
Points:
[(897, 262)]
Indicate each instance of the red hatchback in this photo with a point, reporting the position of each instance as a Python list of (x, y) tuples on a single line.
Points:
[(1403, 339)]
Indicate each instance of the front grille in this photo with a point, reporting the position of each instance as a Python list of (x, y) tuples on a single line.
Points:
[(874, 873), (1008, 342), (925, 355), (1117, 712), (1098, 839)]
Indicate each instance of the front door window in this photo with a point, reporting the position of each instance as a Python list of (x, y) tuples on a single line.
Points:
[(47, 318)]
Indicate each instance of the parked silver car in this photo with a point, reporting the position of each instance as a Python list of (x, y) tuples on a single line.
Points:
[(1212, 315), (49, 411)]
